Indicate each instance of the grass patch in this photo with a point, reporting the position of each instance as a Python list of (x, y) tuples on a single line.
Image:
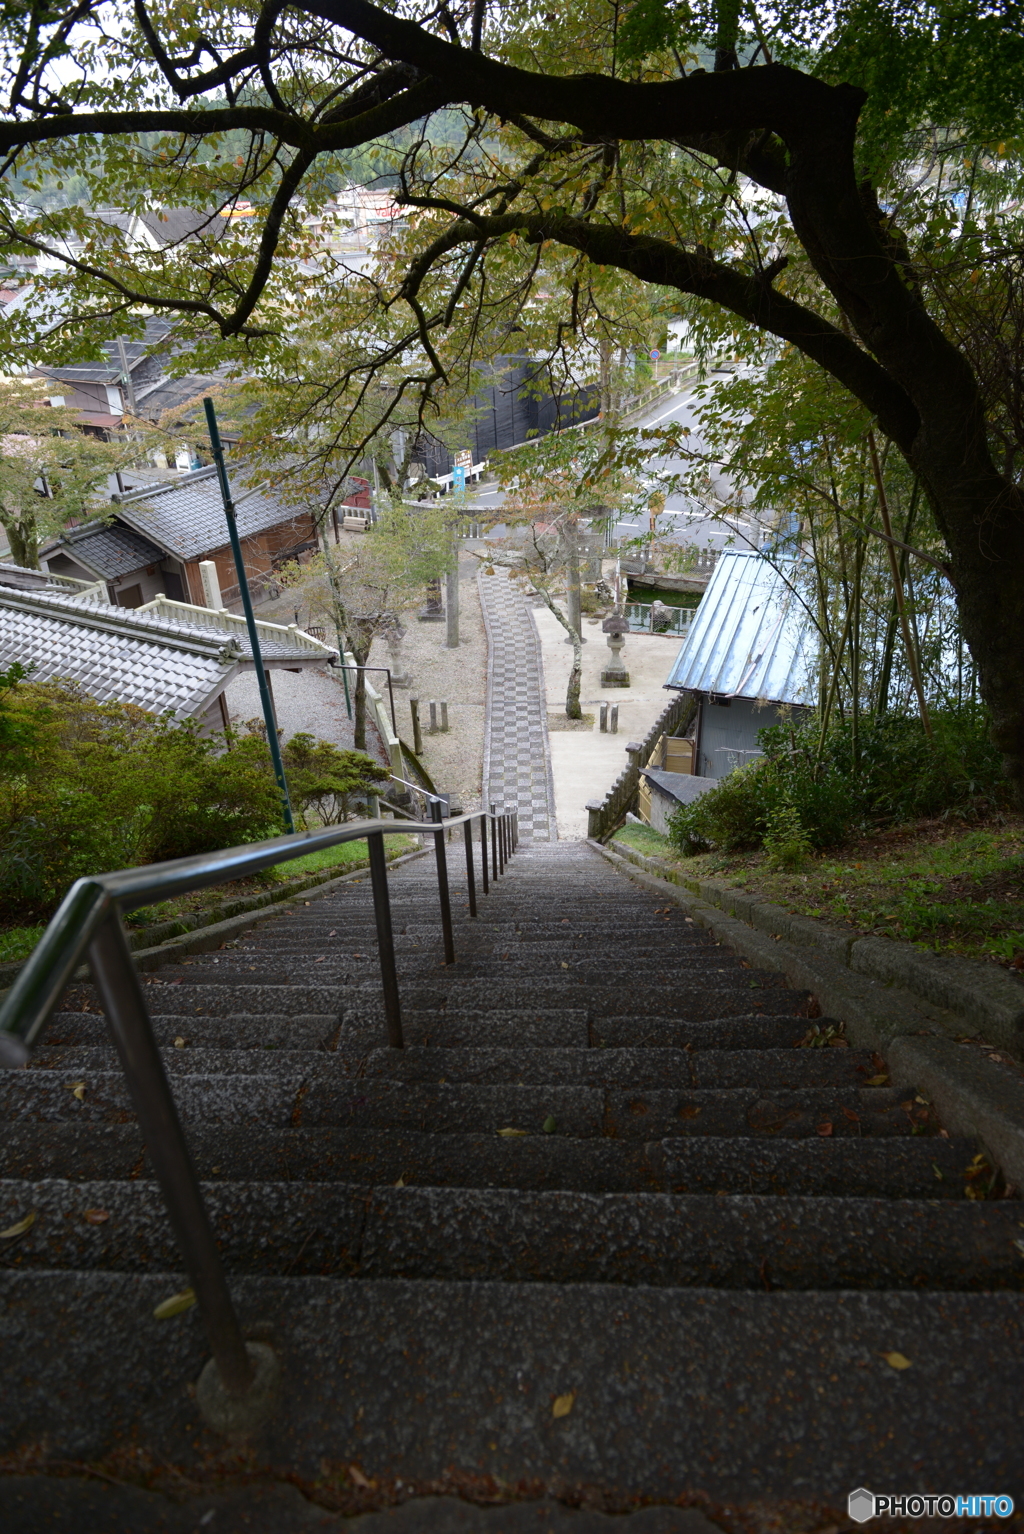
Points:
[(648, 841), (941, 886), (18, 943)]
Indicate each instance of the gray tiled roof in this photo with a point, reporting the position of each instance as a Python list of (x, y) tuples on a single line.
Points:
[(148, 659), (186, 515), (110, 656), (111, 551), (108, 372)]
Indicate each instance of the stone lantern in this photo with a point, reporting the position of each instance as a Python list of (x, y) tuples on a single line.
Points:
[(394, 637), (615, 674)]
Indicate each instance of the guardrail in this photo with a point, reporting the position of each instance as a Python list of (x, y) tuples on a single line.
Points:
[(604, 815), (89, 924)]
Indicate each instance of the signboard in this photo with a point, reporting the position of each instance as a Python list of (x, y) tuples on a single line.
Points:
[(458, 478), (655, 354), (464, 460)]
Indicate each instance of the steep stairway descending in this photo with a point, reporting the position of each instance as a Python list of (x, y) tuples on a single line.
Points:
[(601, 1173)]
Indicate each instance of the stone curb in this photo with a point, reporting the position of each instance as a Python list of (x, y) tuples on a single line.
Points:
[(205, 939), (974, 1095), (981, 999), (211, 935)]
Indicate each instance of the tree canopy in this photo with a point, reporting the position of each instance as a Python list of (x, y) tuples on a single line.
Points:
[(839, 179)]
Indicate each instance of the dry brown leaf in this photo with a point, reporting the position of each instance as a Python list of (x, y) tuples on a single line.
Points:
[(825, 1128), (76, 1088), (877, 1081), (96, 1216), (896, 1360), (563, 1405), (179, 1043), (175, 1305), (512, 1133), (19, 1229), (400, 1183), (357, 1477)]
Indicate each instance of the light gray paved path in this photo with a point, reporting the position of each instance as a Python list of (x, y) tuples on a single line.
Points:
[(517, 764)]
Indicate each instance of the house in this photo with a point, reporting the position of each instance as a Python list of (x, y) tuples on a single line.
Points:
[(162, 531), (170, 657), (751, 653)]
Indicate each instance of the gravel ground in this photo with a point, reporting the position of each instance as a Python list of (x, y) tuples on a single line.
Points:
[(314, 701), (455, 760)]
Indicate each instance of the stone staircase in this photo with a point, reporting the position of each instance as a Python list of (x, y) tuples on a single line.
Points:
[(601, 1230)]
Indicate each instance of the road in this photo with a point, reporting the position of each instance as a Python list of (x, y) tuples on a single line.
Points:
[(683, 521)]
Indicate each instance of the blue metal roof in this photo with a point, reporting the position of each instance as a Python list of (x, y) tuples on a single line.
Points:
[(752, 636)]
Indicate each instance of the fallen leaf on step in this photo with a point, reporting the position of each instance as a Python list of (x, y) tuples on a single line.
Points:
[(549, 1125), (564, 965), (938, 1172), (175, 1305), (357, 1477), (562, 1405), (77, 1089), (96, 1216), (825, 1128), (400, 1183), (320, 960), (509, 1133), (333, 934), (896, 1360), (179, 1043), (19, 1229), (877, 1081)]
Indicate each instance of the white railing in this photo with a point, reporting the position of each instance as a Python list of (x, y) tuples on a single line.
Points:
[(80, 588), (672, 620), (381, 717), (212, 618)]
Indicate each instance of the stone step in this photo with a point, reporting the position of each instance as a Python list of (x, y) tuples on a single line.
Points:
[(663, 1068), (268, 1030), (901, 1167), (510, 1236), (322, 1095), (722, 1390)]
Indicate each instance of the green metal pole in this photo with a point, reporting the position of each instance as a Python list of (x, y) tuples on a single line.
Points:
[(254, 638)]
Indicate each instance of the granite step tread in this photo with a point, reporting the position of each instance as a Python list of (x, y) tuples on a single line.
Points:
[(781, 1393), (511, 1236), (906, 1167)]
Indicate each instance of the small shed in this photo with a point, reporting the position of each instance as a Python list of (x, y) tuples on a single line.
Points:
[(752, 651), (171, 527)]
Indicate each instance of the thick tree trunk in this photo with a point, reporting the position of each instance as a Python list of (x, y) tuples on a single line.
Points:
[(359, 707), (572, 692), (23, 542)]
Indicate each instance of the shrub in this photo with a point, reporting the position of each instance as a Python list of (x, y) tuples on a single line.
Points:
[(93, 786), (322, 778), (797, 796)]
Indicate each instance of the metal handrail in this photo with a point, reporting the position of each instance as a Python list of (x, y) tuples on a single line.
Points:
[(89, 924)]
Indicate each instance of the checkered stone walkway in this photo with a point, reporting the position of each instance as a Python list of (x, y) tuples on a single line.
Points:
[(517, 765)]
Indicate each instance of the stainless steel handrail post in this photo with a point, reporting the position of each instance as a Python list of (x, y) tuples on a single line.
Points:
[(515, 829), (385, 938), (470, 876), (494, 842), (442, 884), (123, 1002), (483, 848), (502, 848)]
